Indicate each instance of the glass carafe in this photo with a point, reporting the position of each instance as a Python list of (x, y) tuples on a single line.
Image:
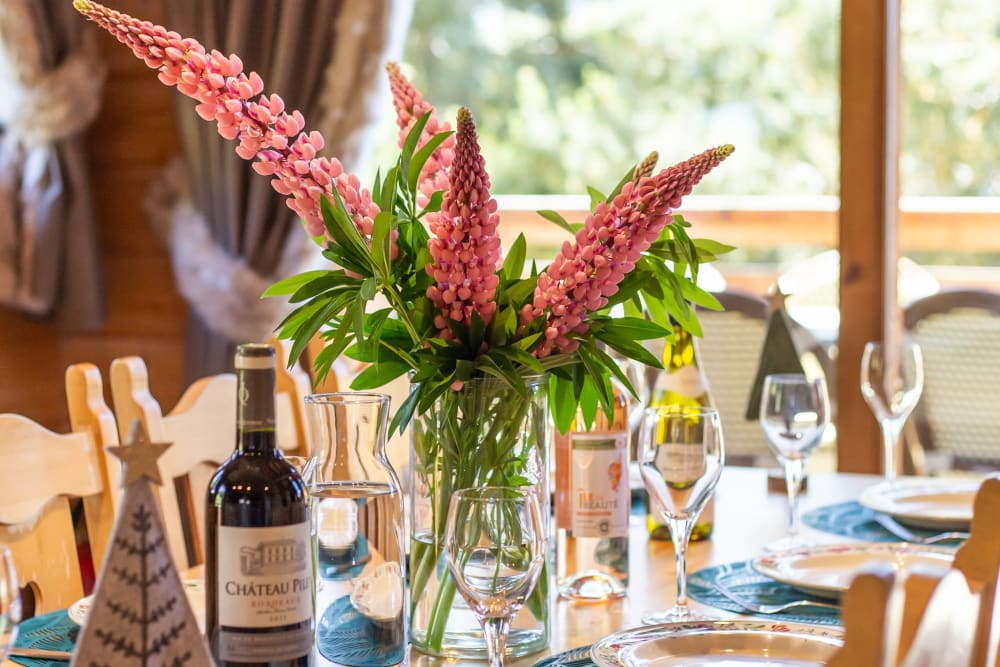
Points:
[(357, 534)]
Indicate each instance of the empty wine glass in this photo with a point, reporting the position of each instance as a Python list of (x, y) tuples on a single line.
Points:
[(891, 388), (10, 602), (794, 412), (493, 547), (681, 457)]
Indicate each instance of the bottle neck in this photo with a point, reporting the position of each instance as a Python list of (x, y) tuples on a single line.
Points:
[(255, 431)]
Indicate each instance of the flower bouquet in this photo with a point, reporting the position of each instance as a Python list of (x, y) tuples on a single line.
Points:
[(496, 348)]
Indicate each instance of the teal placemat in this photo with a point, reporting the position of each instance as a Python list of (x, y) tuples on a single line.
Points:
[(852, 519), (53, 631), (741, 579), (575, 657)]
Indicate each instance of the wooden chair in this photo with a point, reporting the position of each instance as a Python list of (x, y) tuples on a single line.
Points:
[(42, 476), (202, 428), (922, 619), (956, 420)]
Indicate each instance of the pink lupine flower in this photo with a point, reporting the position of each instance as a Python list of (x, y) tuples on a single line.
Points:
[(588, 271), (466, 247), (410, 106), (265, 130)]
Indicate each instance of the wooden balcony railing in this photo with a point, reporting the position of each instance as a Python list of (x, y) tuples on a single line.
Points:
[(950, 224)]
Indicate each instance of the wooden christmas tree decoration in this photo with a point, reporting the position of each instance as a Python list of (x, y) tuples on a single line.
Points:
[(140, 615), (779, 354)]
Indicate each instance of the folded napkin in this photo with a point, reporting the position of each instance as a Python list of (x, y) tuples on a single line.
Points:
[(53, 631), (743, 581), (852, 519)]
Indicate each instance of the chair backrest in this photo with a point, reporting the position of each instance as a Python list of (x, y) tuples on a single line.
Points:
[(923, 619), (959, 335), (202, 428), (43, 475), (729, 353)]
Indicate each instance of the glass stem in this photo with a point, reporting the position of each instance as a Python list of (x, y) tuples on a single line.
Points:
[(889, 443), (495, 632), (794, 472), (680, 534)]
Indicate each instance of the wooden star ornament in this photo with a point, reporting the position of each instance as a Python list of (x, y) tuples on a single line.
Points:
[(139, 456)]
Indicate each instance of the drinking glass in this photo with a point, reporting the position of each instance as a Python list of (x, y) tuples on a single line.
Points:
[(891, 388), (682, 455), (794, 412), (493, 547), (10, 602)]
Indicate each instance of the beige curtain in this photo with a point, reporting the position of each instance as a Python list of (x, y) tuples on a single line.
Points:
[(50, 82), (230, 234)]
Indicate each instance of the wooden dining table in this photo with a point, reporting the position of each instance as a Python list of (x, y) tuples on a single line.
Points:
[(747, 518)]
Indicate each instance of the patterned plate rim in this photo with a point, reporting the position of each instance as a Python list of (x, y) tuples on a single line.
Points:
[(883, 496), (761, 564), (606, 652)]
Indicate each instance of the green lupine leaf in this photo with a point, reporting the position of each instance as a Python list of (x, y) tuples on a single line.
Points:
[(421, 156), (629, 348), (291, 284), (710, 247), (513, 264), (553, 216), (564, 402), (368, 288), (433, 204), (331, 281), (346, 235), (405, 412), (387, 196), (596, 197), (378, 375), (621, 184), (382, 243), (412, 138), (633, 328)]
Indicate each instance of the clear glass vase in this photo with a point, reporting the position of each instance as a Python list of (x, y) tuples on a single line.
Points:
[(482, 434)]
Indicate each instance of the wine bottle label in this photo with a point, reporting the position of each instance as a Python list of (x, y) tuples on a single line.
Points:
[(686, 381), (267, 647), (599, 494), (265, 576)]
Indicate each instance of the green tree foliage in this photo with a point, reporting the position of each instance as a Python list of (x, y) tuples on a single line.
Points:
[(571, 92)]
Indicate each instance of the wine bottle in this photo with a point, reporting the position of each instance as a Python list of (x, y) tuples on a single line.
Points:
[(682, 382), (592, 504), (258, 560)]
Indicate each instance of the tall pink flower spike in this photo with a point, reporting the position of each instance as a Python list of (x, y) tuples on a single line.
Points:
[(264, 129), (466, 249), (588, 271), (410, 105)]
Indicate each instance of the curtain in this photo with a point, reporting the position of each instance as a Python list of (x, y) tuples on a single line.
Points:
[(230, 234), (50, 81)]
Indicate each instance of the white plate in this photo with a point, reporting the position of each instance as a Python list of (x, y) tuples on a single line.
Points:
[(194, 588), (827, 570), (729, 643), (938, 504)]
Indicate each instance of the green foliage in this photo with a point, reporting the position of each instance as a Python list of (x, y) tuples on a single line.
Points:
[(569, 93)]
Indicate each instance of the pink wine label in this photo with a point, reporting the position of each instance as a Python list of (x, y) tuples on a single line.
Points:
[(599, 492)]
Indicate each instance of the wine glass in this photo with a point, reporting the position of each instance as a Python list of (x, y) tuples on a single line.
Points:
[(10, 602), (794, 412), (493, 547), (682, 455), (891, 388)]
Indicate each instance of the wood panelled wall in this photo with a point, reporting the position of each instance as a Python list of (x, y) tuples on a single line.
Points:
[(134, 136)]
